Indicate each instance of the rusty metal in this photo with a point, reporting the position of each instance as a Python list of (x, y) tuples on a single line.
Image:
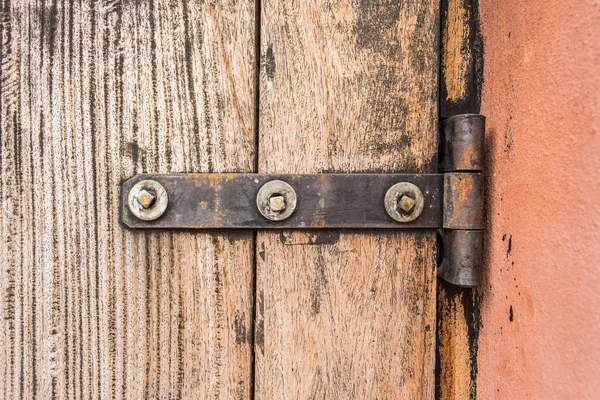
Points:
[(461, 160), (146, 199), (461, 144), (463, 200), (276, 200), (462, 257), (452, 200), (199, 201), (407, 204)]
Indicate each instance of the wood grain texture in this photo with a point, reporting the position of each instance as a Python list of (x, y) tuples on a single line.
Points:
[(91, 93), (351, 318), (456, 57), (347, 86)]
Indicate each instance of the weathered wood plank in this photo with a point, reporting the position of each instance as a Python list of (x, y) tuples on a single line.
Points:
[(91, 93), (461, 82), (347, 86), (462, 58), (348, 317), (458, 325)]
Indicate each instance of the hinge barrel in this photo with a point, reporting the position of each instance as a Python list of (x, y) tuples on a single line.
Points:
[(463, 200), (461, 160), (461, 143)]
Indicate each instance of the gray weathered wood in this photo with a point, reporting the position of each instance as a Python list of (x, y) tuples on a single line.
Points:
[(347, 86), (91, 93)]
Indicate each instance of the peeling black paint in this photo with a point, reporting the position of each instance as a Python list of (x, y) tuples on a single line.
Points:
[(133, 150), (240, 328), (318, 238), (374, 20), (471, 307), (319, 285), (469, 104)]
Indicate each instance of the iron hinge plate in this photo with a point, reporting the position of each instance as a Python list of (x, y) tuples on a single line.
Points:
[(214, 201)]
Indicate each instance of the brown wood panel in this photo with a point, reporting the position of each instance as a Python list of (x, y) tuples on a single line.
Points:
[(345, 317), (347, 86), (458, 325), (91, 93)]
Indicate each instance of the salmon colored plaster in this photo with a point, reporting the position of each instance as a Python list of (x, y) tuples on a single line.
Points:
[(541, 296)]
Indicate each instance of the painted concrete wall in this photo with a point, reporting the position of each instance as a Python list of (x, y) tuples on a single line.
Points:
[(541, 298)]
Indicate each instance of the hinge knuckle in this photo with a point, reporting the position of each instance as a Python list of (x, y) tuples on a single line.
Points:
[(463, 200), (462, 140), (461, 160), (462, 256)]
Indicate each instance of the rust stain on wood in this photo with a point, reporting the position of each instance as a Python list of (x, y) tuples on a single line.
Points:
[(456, 56)]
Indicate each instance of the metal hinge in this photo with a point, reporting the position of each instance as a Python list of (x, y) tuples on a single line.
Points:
[(451, 200), (461, 160)]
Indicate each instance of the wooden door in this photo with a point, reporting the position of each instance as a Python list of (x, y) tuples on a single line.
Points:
[(94, 92)]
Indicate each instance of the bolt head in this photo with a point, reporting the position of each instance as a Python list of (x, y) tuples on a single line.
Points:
[(406, 204), (146, 199), (277, 203), (276, 200)]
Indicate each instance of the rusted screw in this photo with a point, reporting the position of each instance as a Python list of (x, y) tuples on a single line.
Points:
[(404, 202), (276, 200), (146, 199), (277, 203), (407, 204)]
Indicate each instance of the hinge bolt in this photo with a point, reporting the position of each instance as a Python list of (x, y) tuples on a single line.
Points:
[(404, 202), (147, 200), (276, 200), (277, 203), (407, 204)]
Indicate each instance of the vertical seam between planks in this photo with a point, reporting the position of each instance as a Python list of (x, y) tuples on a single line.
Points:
[(437, 365), (439, 81), (253, 319), (257, 52)]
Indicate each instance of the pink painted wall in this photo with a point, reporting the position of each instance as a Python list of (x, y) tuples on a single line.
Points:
[(541, 297)]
